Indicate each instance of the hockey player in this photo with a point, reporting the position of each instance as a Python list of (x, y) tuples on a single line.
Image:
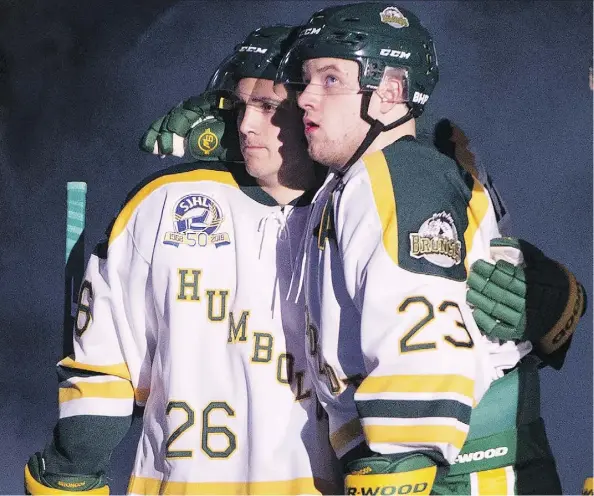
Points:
[(184, 311), (388, 245)]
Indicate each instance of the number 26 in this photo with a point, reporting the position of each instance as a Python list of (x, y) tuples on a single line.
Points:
[(208, 430)]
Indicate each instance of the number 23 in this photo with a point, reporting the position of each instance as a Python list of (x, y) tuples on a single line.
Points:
[(406, 346)]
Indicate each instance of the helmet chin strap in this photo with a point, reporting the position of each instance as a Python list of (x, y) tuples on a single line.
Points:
[(375, 130)]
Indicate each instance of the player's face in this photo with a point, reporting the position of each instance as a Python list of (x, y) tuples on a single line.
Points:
[(332, 104), (270, 129)]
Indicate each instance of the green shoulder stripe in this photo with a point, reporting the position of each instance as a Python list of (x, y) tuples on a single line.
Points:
[(414, 409), (429, 208)]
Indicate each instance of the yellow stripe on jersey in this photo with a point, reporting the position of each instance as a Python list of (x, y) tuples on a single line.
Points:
[(422, 434), (446, 383), (345, 434), (383, 194), (222, 177), (109, 390), (116, 369), (304, 485), (476, 210)]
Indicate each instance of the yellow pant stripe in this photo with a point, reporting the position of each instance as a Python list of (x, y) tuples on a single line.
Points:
[(499, 481)]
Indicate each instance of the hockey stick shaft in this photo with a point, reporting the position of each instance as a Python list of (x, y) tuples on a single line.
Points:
[(76, 202)]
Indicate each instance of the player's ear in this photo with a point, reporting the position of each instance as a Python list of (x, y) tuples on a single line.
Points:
[(392, 89)]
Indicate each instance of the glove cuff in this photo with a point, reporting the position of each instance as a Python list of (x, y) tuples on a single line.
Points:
[(418, 482), (39, 482), (384, 474), (567, 323)]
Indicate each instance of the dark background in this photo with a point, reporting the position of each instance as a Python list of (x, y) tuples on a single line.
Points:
[(80, 82)]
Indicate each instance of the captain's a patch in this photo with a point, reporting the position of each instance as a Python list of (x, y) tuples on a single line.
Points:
[(437, 241)]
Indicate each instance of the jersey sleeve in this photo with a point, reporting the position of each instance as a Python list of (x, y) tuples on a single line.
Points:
[(407, 234), (502, 213), (110, 367)]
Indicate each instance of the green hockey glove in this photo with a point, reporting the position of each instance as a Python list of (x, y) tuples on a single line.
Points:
[(204, 125), (404, 474), (38, 481), (525, 296)]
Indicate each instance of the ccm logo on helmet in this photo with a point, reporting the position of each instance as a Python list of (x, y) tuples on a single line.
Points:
[(480, 455), (250, 48), (420, 98), (397, 54), (309, 31)]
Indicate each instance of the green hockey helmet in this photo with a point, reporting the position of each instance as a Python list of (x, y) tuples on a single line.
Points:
[(376, 36), (380, 38), (258, 56)]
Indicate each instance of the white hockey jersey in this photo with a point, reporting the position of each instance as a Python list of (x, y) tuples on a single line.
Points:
[(186, 312), (398, 360)]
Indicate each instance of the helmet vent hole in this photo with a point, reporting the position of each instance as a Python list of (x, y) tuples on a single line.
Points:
[(348, 37), (350, 19)]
